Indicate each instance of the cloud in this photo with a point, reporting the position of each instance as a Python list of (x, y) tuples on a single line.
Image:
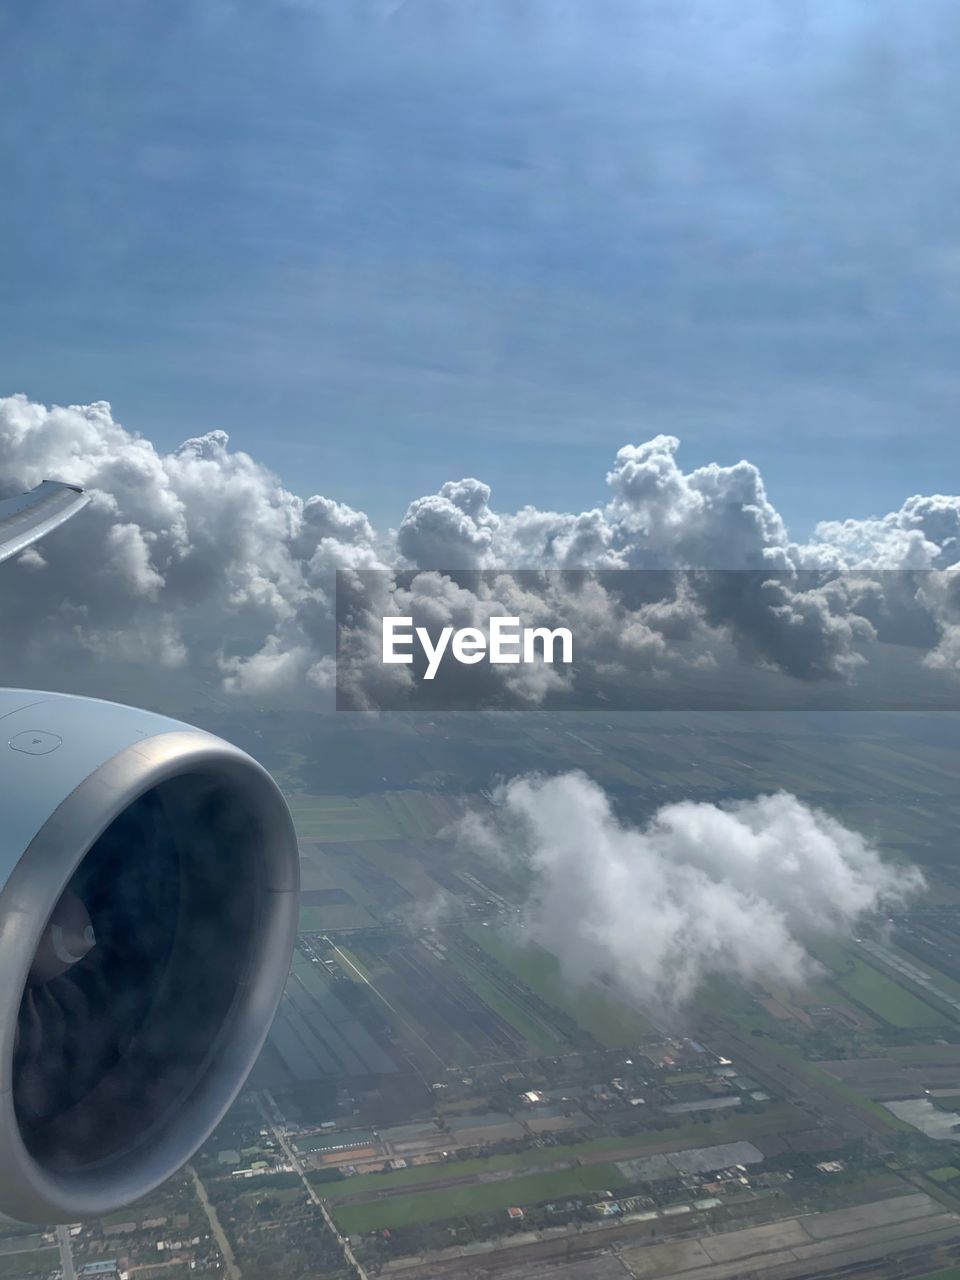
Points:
[(700, 889), (940, 592), (923, 534), (797, 624), (203, 556), (658, 516), (713, 517), (452, 529), (174, 551)]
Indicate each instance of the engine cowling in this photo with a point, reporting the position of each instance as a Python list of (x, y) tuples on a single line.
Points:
[(149, 879)]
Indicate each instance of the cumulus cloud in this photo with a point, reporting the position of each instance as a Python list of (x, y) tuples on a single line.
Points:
[(203, 556), (700, 889), (434, 601), (174, 550), (923, 534), (658, 516), (452, 529), (788, 611)]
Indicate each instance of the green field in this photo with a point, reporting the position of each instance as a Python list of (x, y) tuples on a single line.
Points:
[(402, 862), (21, 1244), (365, 1185), (484, 1197), (345, 915), (777, 1118), (830, 1084), (918, 1055), (946, 984), (418, 814), (538, 1034), (612, 1023), (872, 990), (388, 815), (886, 998), (32, 1262), (341, 818)]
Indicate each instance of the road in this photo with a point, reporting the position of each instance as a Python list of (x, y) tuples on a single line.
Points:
[(229, 1261), (297, 1167), (67, 1268)]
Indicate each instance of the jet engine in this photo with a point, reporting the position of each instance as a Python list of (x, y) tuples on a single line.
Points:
[(149, 880)]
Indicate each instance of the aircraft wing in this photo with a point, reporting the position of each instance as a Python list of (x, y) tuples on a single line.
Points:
[(32, 515)]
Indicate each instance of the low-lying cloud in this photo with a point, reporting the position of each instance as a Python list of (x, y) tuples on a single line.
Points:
[(700, 889), (203, 556)]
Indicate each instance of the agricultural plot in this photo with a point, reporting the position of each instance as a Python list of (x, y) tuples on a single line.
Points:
[(400, 863), (780, 1118), (341, 818), (891, 1002), (448, 1004), (931, 940), (926, 1055), (878, 1077), (608, 1020), (846, 1238), (933, 967), (868, 988), (454, 1202), (419, 815), (366, 1186), (325, 867), (21, 1244), (333, 917), (825, 1083), (26, 1254), (523, 1010), (417, 1195), (29, 1264), (317, 1037), (405, 815), (358, 883)]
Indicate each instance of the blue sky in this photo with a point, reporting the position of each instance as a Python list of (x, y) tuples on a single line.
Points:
[(386, 244)]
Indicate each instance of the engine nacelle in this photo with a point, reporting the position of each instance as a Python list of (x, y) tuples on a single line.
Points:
[(149, 880)]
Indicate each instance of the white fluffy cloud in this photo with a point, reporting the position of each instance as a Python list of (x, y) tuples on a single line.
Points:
[(700, 889), (923, 534), (203, 555), (174, 550), (452, 529), (657, 517)]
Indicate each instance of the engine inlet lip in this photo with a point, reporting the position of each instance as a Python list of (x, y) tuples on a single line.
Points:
[(29, 1190)]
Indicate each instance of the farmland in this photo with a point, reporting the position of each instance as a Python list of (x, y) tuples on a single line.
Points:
[(436, 1069), (465, 1013), (477, 1198), (316, 1036), (606, 1018), (867, 987), (28, 1264)]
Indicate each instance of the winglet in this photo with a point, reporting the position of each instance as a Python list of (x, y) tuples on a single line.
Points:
[(30, 516)]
